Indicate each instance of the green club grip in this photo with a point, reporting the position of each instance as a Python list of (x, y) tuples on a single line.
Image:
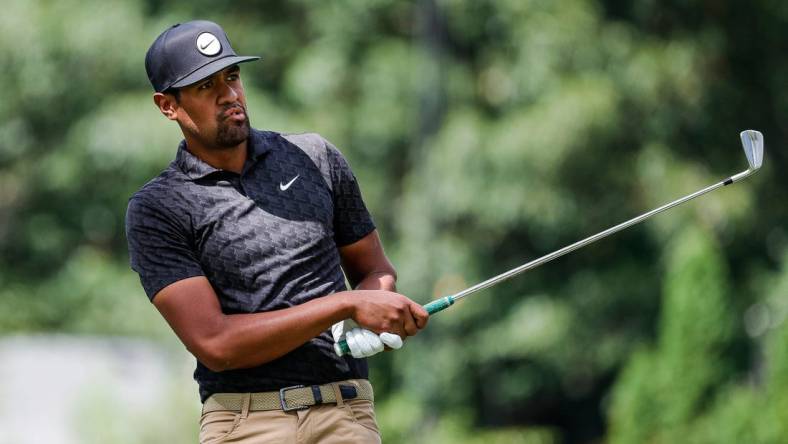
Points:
[(439, 304), (341, 347)]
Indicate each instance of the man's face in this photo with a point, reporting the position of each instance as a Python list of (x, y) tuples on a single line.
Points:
[(213, 110)]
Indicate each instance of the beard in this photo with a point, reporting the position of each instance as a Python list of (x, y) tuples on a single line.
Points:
[(229, 132)]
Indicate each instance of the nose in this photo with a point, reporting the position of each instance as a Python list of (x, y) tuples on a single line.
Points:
[(227, 94)]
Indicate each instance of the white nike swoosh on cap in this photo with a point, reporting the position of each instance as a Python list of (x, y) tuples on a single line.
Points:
[(284, 187)]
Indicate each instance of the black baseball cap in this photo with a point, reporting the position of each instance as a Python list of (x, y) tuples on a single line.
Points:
[(189, 52)]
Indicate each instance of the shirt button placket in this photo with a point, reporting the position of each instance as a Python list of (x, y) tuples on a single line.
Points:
[(241, 186), (238, 185)]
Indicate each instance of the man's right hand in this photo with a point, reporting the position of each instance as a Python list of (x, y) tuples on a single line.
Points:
[(387, 312)]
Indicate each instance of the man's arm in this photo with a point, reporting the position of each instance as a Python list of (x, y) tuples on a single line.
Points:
[(368, 268), (224, 342), (366, 265)]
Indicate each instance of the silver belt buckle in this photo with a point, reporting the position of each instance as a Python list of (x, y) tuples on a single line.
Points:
[(283, 403)]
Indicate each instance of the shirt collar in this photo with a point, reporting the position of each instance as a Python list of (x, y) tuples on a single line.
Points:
[(259, 143), (194, 167)]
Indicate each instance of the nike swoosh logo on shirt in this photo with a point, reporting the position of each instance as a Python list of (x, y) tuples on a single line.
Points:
[(284, 187)]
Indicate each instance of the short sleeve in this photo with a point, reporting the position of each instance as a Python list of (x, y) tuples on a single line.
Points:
[(352, 221), (159, 247)]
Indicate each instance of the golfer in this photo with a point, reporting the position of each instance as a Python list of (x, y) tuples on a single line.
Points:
[(241, 244)]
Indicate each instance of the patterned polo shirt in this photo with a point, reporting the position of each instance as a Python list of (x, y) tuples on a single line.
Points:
[(265, 239)]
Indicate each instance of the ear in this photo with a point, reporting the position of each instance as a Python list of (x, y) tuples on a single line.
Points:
[(167, 105)]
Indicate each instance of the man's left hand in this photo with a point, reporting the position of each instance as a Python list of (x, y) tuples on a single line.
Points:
[(364, 343)]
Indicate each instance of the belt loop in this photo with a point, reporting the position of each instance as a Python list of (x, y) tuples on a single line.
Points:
[(247, 401), (338, 394), (317, 395)]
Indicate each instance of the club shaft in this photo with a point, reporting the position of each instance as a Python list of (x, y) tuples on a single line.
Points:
[(581, 243), (445, 302)]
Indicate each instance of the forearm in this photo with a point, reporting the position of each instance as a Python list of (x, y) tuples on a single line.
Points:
[(379, 280), (366, 265), (248, 340), (225, 342)]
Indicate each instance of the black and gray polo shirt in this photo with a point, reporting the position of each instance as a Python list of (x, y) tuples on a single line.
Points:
[(265, 239)]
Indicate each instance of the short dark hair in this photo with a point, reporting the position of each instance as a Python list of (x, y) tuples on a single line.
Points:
[(176, 92)]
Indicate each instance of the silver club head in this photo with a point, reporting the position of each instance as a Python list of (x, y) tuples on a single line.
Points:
[(752, 141)]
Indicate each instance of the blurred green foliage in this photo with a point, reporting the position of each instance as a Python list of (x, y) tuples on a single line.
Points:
[(484, 134)]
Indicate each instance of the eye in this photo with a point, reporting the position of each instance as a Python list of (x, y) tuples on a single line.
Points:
[(233, 77), (205, 85)]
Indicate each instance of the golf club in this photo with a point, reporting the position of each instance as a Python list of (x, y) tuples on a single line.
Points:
[(752, 141)]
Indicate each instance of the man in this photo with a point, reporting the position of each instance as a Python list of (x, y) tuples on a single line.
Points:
[(241, 245)]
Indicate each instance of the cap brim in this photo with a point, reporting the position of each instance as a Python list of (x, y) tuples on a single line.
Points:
[(211, 69)]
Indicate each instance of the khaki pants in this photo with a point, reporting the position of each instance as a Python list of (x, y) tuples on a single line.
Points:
[(347, 422)]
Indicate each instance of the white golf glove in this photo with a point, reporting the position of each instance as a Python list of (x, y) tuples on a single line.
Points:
[(362, 342)]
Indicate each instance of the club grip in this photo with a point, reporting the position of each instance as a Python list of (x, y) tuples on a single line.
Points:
[(341, 347), (439, 304)]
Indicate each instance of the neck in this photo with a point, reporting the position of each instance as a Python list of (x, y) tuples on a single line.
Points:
[(227, 159)]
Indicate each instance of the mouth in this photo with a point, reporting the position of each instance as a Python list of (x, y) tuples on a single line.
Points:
[(235, 113)]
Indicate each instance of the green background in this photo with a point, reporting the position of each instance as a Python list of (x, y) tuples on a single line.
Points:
[(484, 134)]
